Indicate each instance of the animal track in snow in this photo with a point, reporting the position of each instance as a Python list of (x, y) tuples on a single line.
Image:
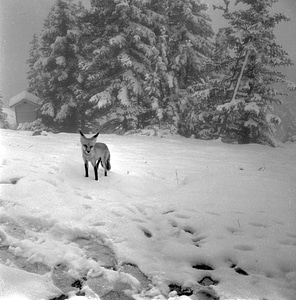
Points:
[(203, 266), (182, 216), (244, 247), (236, 268), (168, 212), (189, 229), (288, 242), (198, 240), (12, 180), (207, 281), (173, 223), (291, 235), (146, 232), (96, 249), (279, 223), (18, 159), (257, 224), (212, 213), (240, 271), (175, 220), (234, 230)]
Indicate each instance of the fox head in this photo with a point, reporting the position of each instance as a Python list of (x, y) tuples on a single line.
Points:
[(87, 143)]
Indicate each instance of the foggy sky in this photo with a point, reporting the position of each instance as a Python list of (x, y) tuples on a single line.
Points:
[(20, 19)]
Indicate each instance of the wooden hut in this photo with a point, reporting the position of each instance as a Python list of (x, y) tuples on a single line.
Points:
[(25, 106)]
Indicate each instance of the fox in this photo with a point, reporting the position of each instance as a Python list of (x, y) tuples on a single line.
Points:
[(96, 153)]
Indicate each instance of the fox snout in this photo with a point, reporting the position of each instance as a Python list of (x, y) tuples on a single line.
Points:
[(87, 151)]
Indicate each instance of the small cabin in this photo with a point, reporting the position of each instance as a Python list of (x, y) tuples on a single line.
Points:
[(25, 106)]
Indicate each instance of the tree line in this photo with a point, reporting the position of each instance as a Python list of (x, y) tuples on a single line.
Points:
[(136, 63)]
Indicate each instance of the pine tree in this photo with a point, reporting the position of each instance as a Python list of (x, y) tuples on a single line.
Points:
[(54, 73), (34, 73), (184, 48), (144, 53), (246, 113), (119, 57)]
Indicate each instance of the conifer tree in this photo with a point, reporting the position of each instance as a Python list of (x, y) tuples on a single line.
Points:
[(34, 73), (246, 113), (144, 53), (184, 48), (119, 57), (54, 72)]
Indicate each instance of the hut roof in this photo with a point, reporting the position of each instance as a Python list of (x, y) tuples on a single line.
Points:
[(24, 96)]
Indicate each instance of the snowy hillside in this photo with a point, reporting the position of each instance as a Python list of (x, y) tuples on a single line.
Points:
[(207, 219)]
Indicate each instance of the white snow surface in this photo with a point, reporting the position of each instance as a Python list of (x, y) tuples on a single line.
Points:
[(168, 205)]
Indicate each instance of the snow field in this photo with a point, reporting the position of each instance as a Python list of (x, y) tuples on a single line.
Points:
[(190, 213)]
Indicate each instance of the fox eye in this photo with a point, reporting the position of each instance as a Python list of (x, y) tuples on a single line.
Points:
[(91, 147)]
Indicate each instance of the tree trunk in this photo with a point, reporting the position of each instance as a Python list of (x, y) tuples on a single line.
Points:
[(223, 127)]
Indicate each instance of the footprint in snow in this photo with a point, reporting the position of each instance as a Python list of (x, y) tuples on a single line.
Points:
[(212, 213), (291, 235), (168, 212), (288, 242), (189, 229), (239, 270), (234, 230), (96, 249), (203, 266), (146, 232), (258, 224), (244, 247), (236, 268), (198, 240), (12, 180), (173, 223), (182, 216)]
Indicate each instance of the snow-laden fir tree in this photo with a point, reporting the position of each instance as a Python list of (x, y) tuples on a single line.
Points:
[(120, 47), (184, 48), (34, 75), (54, 74), (142, 53), (251, 69)]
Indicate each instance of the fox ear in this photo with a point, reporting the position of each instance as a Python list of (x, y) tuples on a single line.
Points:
[(81, 133), (96, 135)]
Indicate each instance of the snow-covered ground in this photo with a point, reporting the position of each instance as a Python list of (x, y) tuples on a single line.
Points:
[(197, 214)]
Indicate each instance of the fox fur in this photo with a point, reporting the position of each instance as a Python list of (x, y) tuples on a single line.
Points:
[(96, 153)]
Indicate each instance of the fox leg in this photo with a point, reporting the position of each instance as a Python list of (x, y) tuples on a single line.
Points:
[(96, 167), (96, 172), (105, 168), (86, 168), (98, 162)]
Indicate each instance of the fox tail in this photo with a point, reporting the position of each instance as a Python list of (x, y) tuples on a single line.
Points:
[(108, 164)]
